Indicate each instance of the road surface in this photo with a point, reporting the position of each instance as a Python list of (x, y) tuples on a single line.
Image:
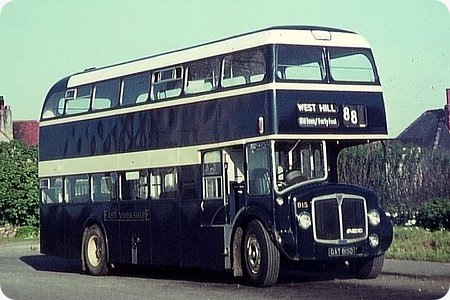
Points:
[(26, 274)]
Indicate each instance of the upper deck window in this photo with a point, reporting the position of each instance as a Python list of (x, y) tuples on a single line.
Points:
[(106, 94), (135, 89), (300, 63), (80, 102), (351, 65), (54, 106), (243, 68), (203, 76), (167, 83)]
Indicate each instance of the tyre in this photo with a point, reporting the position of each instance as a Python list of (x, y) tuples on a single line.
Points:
[(367, 268), (95, 251), (261, 259)]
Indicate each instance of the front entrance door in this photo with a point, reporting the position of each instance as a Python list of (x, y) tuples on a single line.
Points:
[(213, 205)]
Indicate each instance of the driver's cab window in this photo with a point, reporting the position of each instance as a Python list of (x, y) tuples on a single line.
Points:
[(299, 161), (258, 168), (212, 175)]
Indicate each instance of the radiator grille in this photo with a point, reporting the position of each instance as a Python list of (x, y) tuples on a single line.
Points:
[(339, 218)]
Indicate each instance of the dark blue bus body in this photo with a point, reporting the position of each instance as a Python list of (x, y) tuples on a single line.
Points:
[(223, 180)]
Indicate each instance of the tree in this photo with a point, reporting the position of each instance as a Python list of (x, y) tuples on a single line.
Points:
[(19, 201)]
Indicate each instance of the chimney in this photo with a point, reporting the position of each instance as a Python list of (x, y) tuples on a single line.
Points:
[(447, 110), (6, 128)]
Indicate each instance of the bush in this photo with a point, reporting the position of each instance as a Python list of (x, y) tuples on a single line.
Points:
[(434, 215), (19, 197), (401, 215)]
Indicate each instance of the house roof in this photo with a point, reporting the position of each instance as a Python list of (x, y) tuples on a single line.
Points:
[(27, 131), (427, 131)]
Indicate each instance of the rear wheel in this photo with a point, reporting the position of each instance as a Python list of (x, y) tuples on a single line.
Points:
[(261, 257), (95, 251), (367, 268)]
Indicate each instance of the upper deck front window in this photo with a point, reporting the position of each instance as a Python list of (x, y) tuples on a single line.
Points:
[(351, 65), (322, 64), (300, 63), (54, 106)]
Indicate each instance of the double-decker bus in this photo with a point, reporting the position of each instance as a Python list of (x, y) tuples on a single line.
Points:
[(221, 156)]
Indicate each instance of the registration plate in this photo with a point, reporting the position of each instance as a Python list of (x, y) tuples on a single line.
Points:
[(341, 251)]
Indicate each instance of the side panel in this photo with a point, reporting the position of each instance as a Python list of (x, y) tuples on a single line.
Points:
[(52, 236), (135, 234), (107, 213), (165, 232), (184, 125), (191, 241), (75, 218), (201, 246)]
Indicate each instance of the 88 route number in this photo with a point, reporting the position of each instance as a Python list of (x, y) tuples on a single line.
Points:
[(354, 115)]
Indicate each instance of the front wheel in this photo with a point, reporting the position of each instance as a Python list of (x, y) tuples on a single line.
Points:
[(95, 251), (261, 257), (367, 268)]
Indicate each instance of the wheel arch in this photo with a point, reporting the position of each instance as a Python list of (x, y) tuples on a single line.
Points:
[(243, 218)]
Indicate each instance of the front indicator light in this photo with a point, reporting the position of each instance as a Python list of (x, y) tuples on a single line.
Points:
[(304, 220), (374, 217), (374, 240)]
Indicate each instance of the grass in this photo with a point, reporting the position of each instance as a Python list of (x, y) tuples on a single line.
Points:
[(412, 243), (24, 233)]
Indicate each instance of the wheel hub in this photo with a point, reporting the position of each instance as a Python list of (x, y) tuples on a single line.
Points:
[(253, 254), (94, 251)]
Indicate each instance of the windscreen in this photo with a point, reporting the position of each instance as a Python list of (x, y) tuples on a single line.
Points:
[(299, 161)]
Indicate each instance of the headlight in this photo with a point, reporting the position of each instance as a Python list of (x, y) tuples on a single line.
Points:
[(374, 240), (304, 220), (374, 217)]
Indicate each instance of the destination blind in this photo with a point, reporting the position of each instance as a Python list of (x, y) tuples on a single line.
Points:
[(328, 115)]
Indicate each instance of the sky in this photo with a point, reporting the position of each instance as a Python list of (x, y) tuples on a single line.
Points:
[(42, 41)]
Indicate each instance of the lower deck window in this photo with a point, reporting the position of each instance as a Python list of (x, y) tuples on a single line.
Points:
[(104, 187), (134, 185), (212, 175), (164, 183), (76, 188), (51, 190)]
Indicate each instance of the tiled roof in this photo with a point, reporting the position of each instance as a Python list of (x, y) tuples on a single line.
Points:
[(428, 131)]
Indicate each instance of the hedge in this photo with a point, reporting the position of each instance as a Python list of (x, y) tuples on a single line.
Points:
[(408, 179), (19, 204)]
